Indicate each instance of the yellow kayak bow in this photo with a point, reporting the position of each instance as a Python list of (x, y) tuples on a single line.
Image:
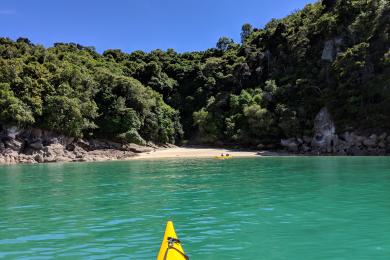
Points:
[(171, 246)]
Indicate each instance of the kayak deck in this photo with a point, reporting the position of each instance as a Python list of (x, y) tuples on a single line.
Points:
[(223, 157), (171, 248)]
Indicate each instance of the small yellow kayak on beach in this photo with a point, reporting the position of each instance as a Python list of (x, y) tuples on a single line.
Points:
[(171, 246), (223, 157)]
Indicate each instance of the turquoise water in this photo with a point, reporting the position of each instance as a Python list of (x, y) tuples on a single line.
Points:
[(261, 208)]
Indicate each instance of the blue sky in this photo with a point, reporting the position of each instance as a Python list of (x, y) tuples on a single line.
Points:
[(185, 25)]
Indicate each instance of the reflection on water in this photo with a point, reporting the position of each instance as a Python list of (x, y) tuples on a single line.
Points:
[(269, 208)]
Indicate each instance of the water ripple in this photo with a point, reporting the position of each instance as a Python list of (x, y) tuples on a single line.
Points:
[(273, 208)]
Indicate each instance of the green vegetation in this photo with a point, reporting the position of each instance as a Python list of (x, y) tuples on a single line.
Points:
[(333, 53)]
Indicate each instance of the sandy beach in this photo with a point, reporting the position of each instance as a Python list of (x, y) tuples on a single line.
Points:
[(190, 152)]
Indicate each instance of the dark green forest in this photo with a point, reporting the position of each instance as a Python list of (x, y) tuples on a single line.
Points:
[(271, 85)]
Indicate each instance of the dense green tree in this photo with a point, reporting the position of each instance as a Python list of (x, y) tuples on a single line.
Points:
[(246, 31), (224, 43), (69, 115), (332, 53), (12, 109)]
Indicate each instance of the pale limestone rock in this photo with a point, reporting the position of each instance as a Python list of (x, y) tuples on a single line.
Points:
[(14, 144), (2, 147), (331, 48), (136, 148), (37, 145), (291, 144), (325, 138), (328, 51), (382, 136), (39, 158), (12, 131), (307, 139), (370, 142)]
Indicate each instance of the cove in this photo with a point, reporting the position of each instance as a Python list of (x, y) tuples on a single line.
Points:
[(262, 208)]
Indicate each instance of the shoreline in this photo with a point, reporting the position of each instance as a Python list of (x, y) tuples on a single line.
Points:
[(109, 155), (148, 153), (202, 152)]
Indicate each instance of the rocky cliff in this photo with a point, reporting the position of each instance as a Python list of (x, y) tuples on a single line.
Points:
[(37, 146), (326, 141)]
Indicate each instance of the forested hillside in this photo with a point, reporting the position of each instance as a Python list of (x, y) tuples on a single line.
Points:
[(334, 53)]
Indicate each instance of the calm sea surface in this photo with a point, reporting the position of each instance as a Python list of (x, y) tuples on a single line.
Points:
[(261, 208)]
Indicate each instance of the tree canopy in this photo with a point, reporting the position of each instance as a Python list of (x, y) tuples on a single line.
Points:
[(330, 53)]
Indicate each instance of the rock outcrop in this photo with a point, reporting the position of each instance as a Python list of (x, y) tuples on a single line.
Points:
[(325, 138), (291, 144), (326, 141), (331, 48), (39, 146)]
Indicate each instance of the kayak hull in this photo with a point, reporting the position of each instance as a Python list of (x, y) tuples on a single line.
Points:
[(173, 250), (223, 157)]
